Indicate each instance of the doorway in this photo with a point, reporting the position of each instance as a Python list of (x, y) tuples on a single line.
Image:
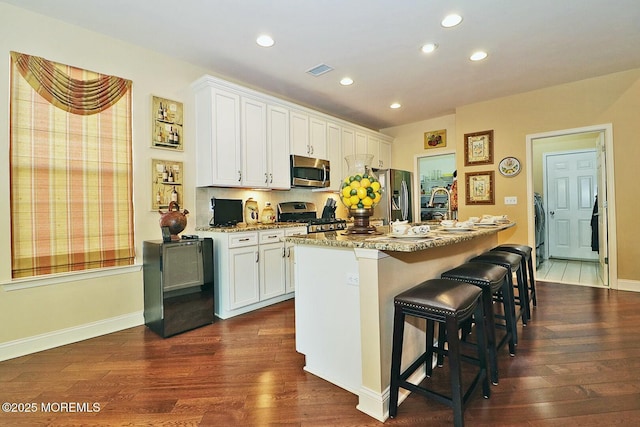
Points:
[(434, 171), (598, 141)]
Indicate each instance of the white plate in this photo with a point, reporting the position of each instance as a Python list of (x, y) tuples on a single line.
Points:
[(408, 236), (457, 229)]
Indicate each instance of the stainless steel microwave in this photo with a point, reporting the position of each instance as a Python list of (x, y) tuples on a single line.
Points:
[(309, 172)]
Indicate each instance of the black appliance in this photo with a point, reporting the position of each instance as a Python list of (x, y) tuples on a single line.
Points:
[(305, 213), (178, 285), (310, 172), (226, 212)]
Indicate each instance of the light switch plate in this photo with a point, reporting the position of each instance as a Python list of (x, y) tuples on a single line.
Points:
[(511, 200)]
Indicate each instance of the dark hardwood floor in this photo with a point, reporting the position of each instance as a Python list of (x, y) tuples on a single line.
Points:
[(577, 364)]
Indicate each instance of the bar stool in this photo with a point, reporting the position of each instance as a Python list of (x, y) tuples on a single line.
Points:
[(450, 303), (527, 266), (512, 263), (492, 279)]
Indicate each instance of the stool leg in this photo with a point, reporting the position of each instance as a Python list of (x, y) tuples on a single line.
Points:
[(429, 346), (509, 314), (481, 336), (442, 339), (532, 282), (523, 294), (396, 360), (456, 371), (490, 328)]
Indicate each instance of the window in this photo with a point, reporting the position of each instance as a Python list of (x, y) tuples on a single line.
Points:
[(71, 169)]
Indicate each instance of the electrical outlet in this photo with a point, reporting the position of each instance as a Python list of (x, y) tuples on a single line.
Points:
[(511, 200), (353, 279)]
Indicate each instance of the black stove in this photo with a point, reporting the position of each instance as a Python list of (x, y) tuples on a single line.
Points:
[(305, 213)]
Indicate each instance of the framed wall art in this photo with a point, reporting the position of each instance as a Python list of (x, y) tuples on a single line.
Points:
[(167, 124), (480, 188), (478, 148), (166, 183), (435, 139)]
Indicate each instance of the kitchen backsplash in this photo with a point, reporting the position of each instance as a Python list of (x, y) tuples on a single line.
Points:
[(204, 195)]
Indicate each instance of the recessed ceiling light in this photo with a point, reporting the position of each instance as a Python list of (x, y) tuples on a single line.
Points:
[(395, 106), (265, 41), (451, 20), (346, 81), (429, 47), (478, 56)]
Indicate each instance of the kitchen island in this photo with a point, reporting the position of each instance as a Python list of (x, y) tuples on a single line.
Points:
[(345, 285)]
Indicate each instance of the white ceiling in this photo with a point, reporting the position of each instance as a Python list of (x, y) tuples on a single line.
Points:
[(531, 44)]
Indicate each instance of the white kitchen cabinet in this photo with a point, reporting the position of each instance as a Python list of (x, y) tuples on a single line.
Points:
[(278, 147), (272, 264), (318, 138), (373, 148), (334, 153), (290, 284), (218, 148), (299, 123), (385, 155), (361, 143), (252, 270), (254, 143), (242, 139), (348, 147)]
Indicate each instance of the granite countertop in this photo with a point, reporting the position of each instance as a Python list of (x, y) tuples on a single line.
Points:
[(242, 227), (436, 237)]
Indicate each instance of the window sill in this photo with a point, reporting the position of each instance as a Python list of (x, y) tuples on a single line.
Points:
[(35, 282)]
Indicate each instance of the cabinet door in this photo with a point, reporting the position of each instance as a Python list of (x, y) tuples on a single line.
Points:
[(373, 148), (348, 148), (318, 138), (385, 155), (272, 270), (218, 138), (244, 286), (299, 123), (278, 147), (334, 153), (361, 143), (254, 144), (290, 284)]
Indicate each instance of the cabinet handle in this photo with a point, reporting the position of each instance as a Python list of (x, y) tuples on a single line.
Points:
[(311, 149), (288, 252), (273, 236), (284, 252), (246, 239), (270, 178), (266, 178), (257, 256), (239, 176)]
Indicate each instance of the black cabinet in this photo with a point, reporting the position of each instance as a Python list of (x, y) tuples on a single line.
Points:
[(178, 285)]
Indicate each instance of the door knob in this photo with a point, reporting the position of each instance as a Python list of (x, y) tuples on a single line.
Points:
[(552, 213)]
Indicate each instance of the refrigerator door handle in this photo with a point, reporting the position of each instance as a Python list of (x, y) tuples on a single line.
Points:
[(404, 201)]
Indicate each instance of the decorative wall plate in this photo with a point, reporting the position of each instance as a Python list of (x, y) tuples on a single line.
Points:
[(509, 166)]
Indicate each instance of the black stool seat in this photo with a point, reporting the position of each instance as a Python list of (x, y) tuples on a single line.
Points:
[(492, 279), (527, 267), (512, 263), (450, 303)]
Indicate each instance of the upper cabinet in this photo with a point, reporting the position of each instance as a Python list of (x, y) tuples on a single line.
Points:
[(241, 139), (244, 138)]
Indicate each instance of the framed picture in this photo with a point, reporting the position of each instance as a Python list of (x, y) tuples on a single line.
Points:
[(167, 123), (479, 188), (166, 183), (478, 148), (435, 139)]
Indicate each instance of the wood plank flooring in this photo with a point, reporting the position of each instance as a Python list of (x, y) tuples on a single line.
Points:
[(577, 364)]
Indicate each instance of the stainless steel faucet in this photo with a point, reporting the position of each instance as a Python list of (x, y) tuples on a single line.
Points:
[(448, 193)]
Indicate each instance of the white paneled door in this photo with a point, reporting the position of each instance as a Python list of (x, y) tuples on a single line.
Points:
[(571, 187)]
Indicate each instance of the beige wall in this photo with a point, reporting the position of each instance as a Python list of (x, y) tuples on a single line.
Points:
[(78, 301), (613, 98)]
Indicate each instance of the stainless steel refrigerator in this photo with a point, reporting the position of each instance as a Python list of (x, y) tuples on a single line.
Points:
[(396, 202)]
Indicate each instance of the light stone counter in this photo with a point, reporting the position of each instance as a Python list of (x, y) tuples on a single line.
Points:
[(344, 291), (243, 227)]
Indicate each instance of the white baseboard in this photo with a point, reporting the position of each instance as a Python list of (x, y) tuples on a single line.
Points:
[(628, 285), (24, 346)]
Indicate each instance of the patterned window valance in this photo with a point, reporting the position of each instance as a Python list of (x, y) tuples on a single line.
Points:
[(83, 97)]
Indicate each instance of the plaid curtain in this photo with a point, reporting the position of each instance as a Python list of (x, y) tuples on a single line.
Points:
[(71, 169)]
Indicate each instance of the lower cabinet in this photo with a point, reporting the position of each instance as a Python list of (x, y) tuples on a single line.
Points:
[(253, 269)]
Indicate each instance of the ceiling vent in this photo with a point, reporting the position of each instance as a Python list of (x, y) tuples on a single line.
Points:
[(319, 70)]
